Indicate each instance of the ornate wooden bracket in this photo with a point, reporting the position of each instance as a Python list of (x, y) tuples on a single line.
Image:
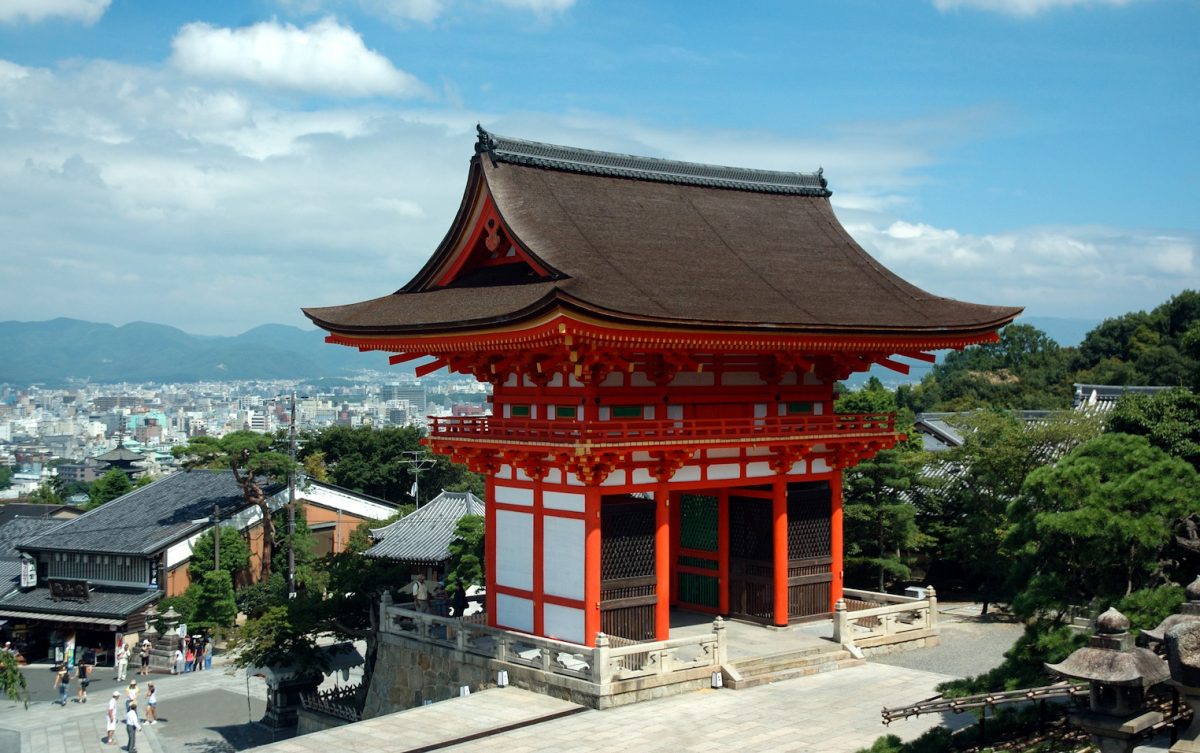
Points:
[(666, 463)]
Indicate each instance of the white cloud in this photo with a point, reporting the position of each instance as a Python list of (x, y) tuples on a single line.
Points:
[(540, 7), (423, 11), (1054, 271), (1023, 8), (324, 57), (86, 12)]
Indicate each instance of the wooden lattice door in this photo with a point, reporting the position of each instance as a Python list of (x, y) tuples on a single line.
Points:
[(810, 550), (627, 582), (751, 581)]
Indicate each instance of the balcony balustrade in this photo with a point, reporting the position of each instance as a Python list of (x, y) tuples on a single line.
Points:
[(665, 431)]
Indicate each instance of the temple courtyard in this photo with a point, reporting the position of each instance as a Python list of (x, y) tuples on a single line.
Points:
[(215, 711)]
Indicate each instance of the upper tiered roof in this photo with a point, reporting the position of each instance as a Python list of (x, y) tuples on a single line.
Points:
[(643, 242)]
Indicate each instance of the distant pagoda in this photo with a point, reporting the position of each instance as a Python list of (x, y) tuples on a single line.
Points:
[(662, 339), (122, 459)]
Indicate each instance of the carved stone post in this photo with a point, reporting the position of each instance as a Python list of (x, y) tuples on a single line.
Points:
[(722, 649), (385, 601), (933, 615), (841, 625), (600, 660)]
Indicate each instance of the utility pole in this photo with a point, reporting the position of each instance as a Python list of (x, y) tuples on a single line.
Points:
[(291, 574), (417, 462), (216, 538)]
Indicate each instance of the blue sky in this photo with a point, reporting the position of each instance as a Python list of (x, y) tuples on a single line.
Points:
[(216, 165)]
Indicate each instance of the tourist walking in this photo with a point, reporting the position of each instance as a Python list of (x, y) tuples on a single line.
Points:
[(62, 681), (131, 694), (208, 651), (145, 656), (151, 704), (83, 673), (132, 727), (177, 664), (122, 661), (197, 654), (110, 718), (420, 593)]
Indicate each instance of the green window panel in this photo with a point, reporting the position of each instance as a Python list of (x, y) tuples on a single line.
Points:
[(698, 522)]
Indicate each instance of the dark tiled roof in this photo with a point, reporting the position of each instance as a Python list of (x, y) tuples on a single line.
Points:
[(425, 535), (18, 530), (148, 519), (10, 576), (121, 453), (571, 159), (102, 602), (669, 252), (11, 510)]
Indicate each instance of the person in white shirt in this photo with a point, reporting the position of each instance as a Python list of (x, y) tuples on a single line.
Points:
[(110, 719), (132, 726), (122, 661), (151, 704), (177, 665)]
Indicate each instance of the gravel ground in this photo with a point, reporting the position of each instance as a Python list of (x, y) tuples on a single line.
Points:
[(970, 645)]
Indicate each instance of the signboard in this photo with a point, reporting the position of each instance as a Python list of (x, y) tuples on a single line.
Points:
[(28, 573), (68, 589)]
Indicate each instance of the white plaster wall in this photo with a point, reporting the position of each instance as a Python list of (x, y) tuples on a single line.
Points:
[(693, 379), (563, 623), (758, 469), (514, 550), (514, 612), (819, 466), (514, 495), (563, 556), (675, 412), (742, 378), (724, 452), (728, 470), (616, 478), (556, 381), (563, 500), (687, 473)]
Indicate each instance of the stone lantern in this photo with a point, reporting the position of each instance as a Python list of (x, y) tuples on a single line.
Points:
[(1118, 674), (1189, 611), (1183, 656), (151, 616)]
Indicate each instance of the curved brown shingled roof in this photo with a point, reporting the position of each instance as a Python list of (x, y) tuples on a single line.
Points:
[(654, 241)]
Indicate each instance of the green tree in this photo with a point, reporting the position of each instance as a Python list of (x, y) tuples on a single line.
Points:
[(1097, 526), (43, 495), (12, 682), (235, 553), (255, 459), (881, 528), (6, 474), (314, 466), (275, 639), (466, 554), (1169, 419), (375, 461), (964, 507), (1157, 348), (113, 484), (302, 542), (215, 607)]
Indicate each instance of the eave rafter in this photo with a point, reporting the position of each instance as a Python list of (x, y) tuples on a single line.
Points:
[(589, 352), (592, 466)]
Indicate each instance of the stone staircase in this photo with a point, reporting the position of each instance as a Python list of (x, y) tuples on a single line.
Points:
[(762, 670)]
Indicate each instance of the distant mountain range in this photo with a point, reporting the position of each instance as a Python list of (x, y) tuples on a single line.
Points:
[(62, 350)]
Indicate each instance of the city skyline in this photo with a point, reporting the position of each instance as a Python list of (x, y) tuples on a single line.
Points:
[(215, 168)]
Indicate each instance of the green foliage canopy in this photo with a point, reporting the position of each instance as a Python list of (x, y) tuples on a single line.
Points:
[(1169, 419), (235, 553), (1097, 525), (215, 605), (465, 568), (112, 484)]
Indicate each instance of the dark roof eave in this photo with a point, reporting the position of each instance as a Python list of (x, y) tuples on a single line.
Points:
[(567, 302)]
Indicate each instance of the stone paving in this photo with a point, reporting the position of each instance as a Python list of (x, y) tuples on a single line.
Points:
[(205, 712), (835, 712)]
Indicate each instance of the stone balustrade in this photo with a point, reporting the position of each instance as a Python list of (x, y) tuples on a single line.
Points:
[(899, 619)]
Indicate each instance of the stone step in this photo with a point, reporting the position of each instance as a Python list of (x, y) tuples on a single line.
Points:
[(764, 670), (747, 666)]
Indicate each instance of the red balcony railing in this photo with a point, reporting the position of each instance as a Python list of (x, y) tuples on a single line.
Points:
[(520, 430)]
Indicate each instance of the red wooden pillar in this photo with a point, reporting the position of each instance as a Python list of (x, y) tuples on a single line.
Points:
[(835, 538), (591, 565), (723, 551), (662, 562), (673, 554), (539, 573), (779, 528), (489, 547)]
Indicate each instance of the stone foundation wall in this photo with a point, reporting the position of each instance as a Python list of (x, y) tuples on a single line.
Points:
[(314, 721), (408, 673), (896, 648)]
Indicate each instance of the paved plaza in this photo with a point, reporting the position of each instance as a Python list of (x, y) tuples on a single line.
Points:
[(218, 711)]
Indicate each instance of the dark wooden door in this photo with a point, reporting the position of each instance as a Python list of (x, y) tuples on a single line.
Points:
[(627, 582), (810, 550), (751, 569)]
